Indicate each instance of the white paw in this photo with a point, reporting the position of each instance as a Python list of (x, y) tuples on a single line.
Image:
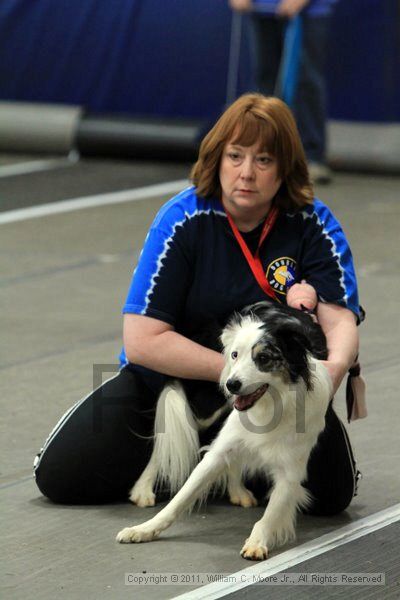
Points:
[(142, 496), (254, 551), (135, 535), (242, 497)]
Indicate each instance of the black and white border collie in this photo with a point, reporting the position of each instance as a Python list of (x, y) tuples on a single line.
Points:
[(280, 392)]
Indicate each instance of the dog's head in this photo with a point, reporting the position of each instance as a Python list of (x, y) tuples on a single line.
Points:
[(262, 352)]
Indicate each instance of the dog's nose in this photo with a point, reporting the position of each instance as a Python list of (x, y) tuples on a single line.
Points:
[(233, 385)]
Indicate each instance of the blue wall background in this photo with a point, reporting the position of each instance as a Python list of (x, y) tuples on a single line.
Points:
[(364, 64), (170, 57)]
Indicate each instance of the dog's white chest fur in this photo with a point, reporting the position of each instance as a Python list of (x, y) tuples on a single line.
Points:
[(281, 428)]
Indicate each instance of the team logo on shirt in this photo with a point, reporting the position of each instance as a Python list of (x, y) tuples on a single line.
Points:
[(281, 274)]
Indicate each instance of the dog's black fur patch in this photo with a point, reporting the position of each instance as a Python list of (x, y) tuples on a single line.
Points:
[(295, 333), (282, 321)]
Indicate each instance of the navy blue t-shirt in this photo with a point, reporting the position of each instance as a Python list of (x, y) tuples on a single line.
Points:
[(192, 271)]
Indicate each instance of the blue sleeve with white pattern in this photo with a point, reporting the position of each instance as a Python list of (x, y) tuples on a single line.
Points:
[(327, 262)]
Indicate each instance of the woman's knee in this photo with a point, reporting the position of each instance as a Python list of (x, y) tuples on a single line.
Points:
[(71, 481), (92, 454), (60, 479), (330, 506)]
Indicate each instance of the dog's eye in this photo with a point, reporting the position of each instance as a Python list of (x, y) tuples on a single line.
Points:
[(234, 355), (263, 357)]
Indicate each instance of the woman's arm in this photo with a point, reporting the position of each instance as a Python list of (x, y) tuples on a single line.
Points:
[(340, 327), (154, 344)]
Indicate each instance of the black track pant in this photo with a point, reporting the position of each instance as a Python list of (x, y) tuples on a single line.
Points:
[(102, 444)]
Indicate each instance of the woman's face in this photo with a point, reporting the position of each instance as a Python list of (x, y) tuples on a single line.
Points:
[(249, 181)]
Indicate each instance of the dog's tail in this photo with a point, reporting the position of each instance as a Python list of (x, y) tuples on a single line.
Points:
[(176, 444)]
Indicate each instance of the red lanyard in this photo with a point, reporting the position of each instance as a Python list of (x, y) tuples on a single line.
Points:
[(255, 261)]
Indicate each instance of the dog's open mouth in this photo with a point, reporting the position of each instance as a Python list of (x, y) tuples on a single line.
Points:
[(246, 402)]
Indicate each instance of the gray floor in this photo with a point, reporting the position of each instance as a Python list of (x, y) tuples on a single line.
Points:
[(63, 281), (358, 557)]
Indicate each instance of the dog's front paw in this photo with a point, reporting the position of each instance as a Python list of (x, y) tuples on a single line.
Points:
[(242, 497), (254, 551), (135, 535)]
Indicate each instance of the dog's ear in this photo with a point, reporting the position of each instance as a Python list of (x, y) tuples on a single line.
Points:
[(295, 346), (258, 309)]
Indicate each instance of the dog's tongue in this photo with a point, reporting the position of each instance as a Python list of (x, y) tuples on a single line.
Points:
[(246, 402)]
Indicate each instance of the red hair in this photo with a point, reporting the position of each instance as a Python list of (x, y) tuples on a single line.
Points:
[(252, 119)]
